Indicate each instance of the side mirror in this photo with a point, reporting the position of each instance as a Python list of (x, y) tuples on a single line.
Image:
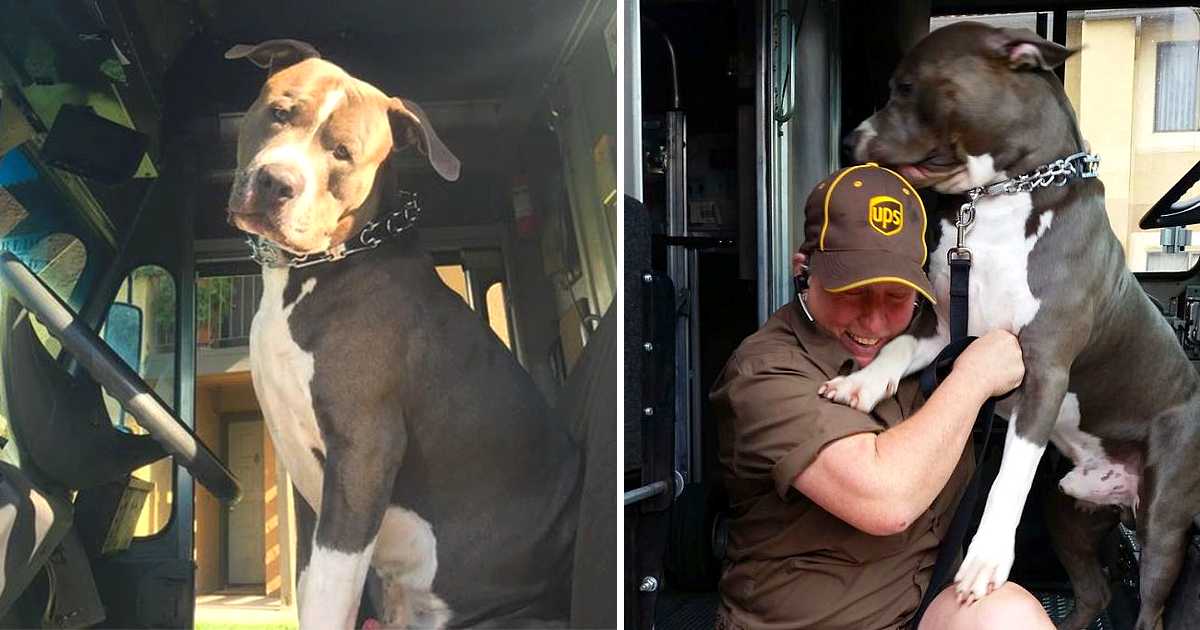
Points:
[(123, 333)]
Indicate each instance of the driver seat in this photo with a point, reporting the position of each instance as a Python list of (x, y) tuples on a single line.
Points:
[(32, 524), (590, 404), (64, 441)]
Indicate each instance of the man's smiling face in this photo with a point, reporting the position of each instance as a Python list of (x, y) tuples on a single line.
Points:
[(862, 319)]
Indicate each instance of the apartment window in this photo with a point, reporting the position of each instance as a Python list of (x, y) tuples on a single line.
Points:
[(1176, 93)]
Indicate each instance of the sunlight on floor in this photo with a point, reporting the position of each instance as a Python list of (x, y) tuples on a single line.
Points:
[(243, 612)]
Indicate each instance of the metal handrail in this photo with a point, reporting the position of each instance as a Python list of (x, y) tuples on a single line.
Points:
[(646, 492)]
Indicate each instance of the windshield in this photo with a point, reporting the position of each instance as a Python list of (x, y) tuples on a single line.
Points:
[(38, 225)]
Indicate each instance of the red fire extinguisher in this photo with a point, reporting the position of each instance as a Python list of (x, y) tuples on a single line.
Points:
[(523, 214)]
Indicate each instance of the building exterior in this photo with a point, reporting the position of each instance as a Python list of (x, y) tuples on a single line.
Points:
[(1135, 91)]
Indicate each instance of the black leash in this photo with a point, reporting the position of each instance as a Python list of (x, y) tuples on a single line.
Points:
[(960, 271)]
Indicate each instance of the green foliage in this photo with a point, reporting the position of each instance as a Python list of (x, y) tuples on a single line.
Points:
[(213, 295)]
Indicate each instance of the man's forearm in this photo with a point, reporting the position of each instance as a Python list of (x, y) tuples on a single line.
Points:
[(914, 459)]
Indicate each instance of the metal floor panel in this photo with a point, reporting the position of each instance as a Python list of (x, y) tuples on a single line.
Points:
[(686, 611), (1058, 605)]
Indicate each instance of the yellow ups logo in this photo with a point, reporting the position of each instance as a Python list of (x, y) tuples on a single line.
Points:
[(886, 215)]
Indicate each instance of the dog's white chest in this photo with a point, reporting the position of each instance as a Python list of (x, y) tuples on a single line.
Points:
[(282, 373), (999, 286)]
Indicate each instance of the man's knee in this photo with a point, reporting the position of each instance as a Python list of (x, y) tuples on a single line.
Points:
[(1008, 607), (1013, 607)]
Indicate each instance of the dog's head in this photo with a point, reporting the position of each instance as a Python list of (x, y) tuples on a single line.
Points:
[(312, 146), (968, 103)]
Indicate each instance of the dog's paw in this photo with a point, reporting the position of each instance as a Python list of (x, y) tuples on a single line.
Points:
[(985, 568), (856, 390), (416, 609), (429, 611)]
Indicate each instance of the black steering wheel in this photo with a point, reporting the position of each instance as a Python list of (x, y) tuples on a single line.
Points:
[(108, 369)]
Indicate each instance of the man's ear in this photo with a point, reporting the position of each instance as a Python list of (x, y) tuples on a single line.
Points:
[(410, 125), (1025, 50), (274, 54)]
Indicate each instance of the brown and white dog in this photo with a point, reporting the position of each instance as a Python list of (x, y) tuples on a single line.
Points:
[(424, 459), (1106, 381)]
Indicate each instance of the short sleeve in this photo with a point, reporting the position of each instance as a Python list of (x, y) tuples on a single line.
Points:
[(779, 423)]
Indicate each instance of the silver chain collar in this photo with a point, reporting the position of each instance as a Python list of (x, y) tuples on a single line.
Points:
[(371, 236), (1058, 173)]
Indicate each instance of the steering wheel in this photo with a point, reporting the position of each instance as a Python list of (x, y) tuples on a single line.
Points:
[(108, 369)]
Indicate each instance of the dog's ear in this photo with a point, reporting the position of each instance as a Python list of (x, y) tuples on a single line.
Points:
[(1025, 50), (274, 54), (410, 125)]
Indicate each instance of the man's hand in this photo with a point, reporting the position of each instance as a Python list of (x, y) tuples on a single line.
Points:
[(994, 362)]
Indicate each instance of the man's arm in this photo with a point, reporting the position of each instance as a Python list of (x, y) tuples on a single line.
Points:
[(880, 483)]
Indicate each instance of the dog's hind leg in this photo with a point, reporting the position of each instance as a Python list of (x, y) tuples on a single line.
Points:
[(406, 560), (1164, 515), (1163, 549), (1076, 532)]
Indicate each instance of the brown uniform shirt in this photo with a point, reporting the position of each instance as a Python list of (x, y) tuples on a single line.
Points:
[(791, 564)]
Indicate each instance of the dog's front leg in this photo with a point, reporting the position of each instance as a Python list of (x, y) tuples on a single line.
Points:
[(990, 555), (355, 495), (899, 358), (306, 525)]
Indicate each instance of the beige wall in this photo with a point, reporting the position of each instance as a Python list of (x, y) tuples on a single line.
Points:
[(1106, 110), (1160, 159)]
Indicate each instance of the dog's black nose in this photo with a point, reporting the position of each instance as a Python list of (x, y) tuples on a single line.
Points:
[(277, 183)]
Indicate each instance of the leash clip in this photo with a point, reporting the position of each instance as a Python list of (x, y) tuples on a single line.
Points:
[(965, 219)]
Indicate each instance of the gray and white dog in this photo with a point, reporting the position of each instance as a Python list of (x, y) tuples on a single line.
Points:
[(1105, 378), (421, 452)]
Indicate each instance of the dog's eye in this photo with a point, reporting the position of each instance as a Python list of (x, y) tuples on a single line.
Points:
[(279, 114), (904, 88), (342, 153)]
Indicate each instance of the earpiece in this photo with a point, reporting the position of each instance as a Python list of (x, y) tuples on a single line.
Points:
[(800, 287)]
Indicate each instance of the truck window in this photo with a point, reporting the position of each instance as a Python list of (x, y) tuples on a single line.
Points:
[(151, 289), (32, 222)]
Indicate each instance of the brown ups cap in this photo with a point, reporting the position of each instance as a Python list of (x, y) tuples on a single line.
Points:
[(864, 225)]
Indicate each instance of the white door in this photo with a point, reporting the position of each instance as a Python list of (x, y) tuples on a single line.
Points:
[(244, 536)]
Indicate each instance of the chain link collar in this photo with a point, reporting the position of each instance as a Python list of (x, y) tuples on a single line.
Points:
[(1058, 173), (371, 236)]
